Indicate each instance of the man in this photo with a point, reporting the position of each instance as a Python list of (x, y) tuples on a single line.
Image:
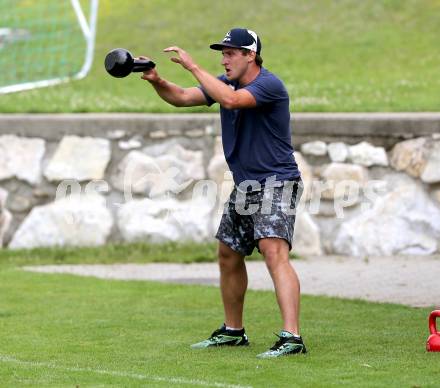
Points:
[(256, 136)]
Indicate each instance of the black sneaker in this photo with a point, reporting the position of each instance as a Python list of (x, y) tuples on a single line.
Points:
[(223, 337), (286, 345)]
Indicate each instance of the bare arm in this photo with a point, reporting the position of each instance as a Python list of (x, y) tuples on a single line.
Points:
[(178, 96), (222, 93), (172, 93), (218, 90)]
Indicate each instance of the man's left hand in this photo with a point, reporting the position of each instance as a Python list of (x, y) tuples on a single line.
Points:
[(183, 58)]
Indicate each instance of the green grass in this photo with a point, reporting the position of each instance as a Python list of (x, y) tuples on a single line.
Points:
[(113, 253), (61, 330), (171, 252), (343, 55)]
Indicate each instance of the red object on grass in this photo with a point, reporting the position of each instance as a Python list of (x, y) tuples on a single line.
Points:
[(433, 343)]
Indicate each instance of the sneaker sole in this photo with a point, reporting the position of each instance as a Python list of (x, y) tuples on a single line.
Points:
[(262, 356), (220, 345)]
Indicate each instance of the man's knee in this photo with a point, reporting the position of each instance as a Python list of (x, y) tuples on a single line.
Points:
[(228, 258), (275, 251)]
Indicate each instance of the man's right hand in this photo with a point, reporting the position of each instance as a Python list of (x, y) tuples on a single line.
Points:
[(150, 75)]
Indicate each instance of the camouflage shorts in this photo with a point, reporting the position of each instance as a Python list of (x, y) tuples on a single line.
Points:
[(249, 217)]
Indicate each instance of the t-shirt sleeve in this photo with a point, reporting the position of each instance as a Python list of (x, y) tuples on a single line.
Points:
[(209, 99), (267, 90)]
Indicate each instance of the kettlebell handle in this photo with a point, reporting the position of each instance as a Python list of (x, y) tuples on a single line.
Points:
[(432, 325)]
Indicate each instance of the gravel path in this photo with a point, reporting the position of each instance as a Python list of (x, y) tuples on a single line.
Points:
[(413, 281)]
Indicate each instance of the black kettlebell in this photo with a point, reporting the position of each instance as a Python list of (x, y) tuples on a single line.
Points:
[(119, 63)]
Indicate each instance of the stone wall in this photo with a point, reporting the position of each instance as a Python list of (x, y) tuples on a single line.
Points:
[(372, 182)]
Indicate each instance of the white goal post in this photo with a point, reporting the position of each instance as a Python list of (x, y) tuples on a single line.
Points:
[(45, 42)]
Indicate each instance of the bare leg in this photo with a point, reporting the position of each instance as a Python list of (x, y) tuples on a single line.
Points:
[(285, 279), (233, 284)]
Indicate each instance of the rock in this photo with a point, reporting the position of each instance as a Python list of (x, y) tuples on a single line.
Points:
[(410, 156), (42, 193), (325, 209), (306, 175), (174, 132), (340, 177), (306, 239), (316, 148), (367, 155), (130, 144), (142, 174), (210, 130), (217, 169), (163, 169), (77, 220), (402, 221), (137, 173), (141, 220), (338, 152), (116, 134), (12, 186), (192, 160), (431, 172), (195, 132), (194, 219), (218, 146), (79, 158), (3, 198), (419, 158), (164, 147), (165, 219), (5, 216), (21, 157), (158, 134), (5, 224), (19, 203)]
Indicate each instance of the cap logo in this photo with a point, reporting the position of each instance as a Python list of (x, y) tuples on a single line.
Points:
[(227, 37)]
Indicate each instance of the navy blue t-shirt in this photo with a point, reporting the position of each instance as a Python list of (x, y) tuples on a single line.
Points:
[(257, 141)]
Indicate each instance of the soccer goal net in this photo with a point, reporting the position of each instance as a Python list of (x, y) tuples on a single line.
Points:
[(45, 42)]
